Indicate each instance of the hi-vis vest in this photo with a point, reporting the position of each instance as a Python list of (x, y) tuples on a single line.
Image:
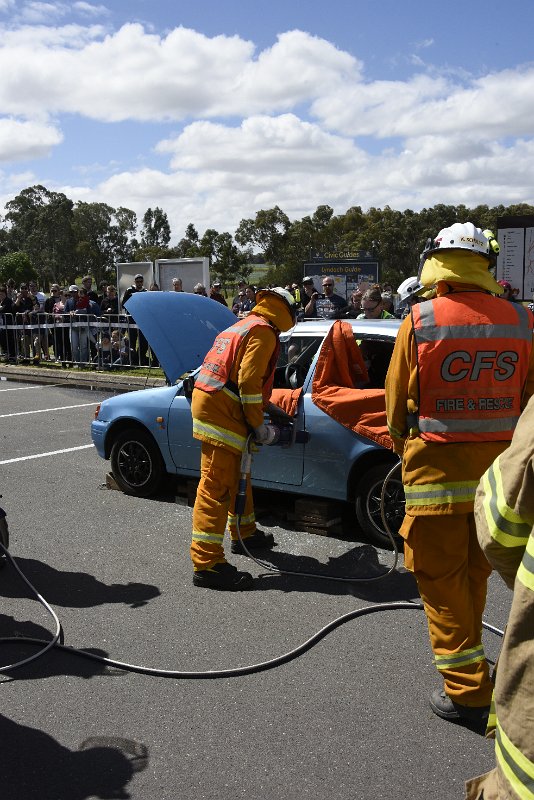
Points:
[(214, 374), (473, 352)]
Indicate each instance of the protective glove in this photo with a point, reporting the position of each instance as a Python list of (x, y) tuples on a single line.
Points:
[(265, 434)]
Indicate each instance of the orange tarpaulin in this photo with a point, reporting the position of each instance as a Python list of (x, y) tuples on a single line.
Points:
[(340, 367)]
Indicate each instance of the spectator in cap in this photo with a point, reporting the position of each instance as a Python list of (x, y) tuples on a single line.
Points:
[(307, 296), (215, 293)]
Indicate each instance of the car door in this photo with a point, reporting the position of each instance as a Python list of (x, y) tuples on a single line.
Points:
[(184, 450), (285, 465)]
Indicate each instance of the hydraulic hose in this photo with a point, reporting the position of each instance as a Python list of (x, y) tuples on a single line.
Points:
[(57, 638), (233, 672), (246, 465)]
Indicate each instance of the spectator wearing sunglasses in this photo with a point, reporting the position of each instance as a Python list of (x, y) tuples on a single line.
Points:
[(373, 305), (328, 305)]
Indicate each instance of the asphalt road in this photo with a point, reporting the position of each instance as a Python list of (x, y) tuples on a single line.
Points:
[(348, 719)]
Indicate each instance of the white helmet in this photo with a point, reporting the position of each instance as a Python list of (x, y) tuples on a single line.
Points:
[(461, 236), (409, 288), (284, 295)]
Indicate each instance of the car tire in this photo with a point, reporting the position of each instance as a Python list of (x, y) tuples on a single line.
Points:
[(136, 463), (368, 498)]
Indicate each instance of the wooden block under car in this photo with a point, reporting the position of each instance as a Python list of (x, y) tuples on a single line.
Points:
[(316, 516), (111, 483)]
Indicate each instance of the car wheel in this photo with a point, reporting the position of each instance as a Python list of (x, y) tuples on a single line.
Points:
[(136, 463), (368, 502)]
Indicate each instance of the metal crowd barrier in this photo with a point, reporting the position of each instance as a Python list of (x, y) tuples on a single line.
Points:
[(112, 341)]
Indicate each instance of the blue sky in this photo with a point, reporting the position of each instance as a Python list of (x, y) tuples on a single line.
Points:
[(213, 110)]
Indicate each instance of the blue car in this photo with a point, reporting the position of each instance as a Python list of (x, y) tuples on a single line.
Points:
[(147, 434)]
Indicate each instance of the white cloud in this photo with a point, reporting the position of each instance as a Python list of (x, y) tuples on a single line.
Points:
[(21, 141), (35, 13), (264, 145), (132, 74), (90, 10), (422, 45), (499, 104), (220, 175), (298, 124)]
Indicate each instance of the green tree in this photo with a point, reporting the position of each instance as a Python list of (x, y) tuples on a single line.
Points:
[(17, 266), (267, 231), (228, 261), (104, 237), (41, 224), (155, 230), (206, 246), (189, 246)]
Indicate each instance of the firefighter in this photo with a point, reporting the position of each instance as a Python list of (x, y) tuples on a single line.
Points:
[(231, 391), (462, 370), (504, 511)]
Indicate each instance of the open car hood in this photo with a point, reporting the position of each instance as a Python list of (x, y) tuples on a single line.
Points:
[(180, 327)]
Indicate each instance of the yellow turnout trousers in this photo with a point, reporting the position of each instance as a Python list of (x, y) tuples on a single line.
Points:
[(452, 572), (214, 506)]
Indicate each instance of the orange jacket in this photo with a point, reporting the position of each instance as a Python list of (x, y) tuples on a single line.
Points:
[(472, 355), (214, 374), (438, 478), (225, 418)]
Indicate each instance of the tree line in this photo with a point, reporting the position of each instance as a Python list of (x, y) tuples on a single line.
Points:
[(47, 237)]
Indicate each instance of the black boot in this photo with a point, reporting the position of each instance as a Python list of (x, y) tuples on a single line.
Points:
[(224, 577), (442, 705)]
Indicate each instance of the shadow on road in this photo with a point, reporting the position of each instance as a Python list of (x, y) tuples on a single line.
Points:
[(53, 662), (35, 765), (72, 589), (359, 562)]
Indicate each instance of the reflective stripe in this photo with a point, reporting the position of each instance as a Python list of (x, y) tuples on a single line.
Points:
[(525, 573), (439, 333), (460, 659), (210, 380), (504, 525), (214, 538), (433, 494), (492, 424), (518, 769), (245, 520), (428, 317), (231, 394), (251, 398), (492, 718), (221, 435)]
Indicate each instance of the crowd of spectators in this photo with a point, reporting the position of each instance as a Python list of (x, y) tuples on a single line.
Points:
[(82, 325)]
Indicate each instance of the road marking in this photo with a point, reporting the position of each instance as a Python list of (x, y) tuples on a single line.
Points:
[(25, 388), (44, 410), (43, 455)]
